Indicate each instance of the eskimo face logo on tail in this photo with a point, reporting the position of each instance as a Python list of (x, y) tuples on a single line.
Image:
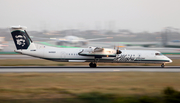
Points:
[(20, 39)]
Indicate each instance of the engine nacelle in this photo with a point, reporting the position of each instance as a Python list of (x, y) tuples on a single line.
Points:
[(94, 49)]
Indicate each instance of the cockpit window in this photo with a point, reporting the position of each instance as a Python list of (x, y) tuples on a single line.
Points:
[(158, 54)]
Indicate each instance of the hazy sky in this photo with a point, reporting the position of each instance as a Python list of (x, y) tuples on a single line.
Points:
[(135, 15)]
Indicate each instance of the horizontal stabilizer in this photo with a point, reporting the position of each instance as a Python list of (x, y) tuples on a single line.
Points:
[(14, 28), (21, 38)]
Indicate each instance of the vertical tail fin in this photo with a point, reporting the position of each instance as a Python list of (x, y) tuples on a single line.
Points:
[(21, 38)]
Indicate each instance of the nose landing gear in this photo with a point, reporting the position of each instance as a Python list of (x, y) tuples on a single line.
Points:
[(163, 65)]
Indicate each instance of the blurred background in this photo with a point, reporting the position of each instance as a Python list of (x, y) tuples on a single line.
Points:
[(104, 23), (72, 23)]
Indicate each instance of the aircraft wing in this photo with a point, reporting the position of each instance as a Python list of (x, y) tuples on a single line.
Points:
[(99, 38), (54, 39), (63, 39), (58, 39), (92, 49), (148, 44), (97, 52)]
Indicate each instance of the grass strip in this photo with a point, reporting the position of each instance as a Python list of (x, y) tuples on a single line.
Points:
[(71, 85)]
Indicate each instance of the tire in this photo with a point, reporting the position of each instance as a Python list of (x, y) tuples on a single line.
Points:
[(94, 65), (162, 65), (91, 64)]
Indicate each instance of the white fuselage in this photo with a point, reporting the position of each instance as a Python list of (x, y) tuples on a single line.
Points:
[(108, 55)]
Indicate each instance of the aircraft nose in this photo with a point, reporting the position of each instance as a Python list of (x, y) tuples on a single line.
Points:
[(170, 61)]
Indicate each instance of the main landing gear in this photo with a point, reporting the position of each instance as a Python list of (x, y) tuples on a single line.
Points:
[(93, 65), (163, 65)]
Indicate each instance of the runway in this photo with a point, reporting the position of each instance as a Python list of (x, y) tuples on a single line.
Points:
[(81, 69)]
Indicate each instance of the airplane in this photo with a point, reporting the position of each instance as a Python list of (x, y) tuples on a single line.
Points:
[(93, 55), (70, 40), (75, 40)]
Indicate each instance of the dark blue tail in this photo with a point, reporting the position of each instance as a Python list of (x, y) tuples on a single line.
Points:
[(20, 37)]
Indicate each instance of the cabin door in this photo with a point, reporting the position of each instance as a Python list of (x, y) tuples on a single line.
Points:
[(139, 57)]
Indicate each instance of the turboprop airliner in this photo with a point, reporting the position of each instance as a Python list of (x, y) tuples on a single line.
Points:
[(93, 55), (74, 40)]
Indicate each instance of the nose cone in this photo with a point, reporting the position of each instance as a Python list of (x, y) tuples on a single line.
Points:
[(170, 61)]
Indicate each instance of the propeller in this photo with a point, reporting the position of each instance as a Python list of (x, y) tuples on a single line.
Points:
[(117, 50)]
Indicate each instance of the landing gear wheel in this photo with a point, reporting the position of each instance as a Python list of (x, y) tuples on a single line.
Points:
[(162, 65), (92, 65)]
